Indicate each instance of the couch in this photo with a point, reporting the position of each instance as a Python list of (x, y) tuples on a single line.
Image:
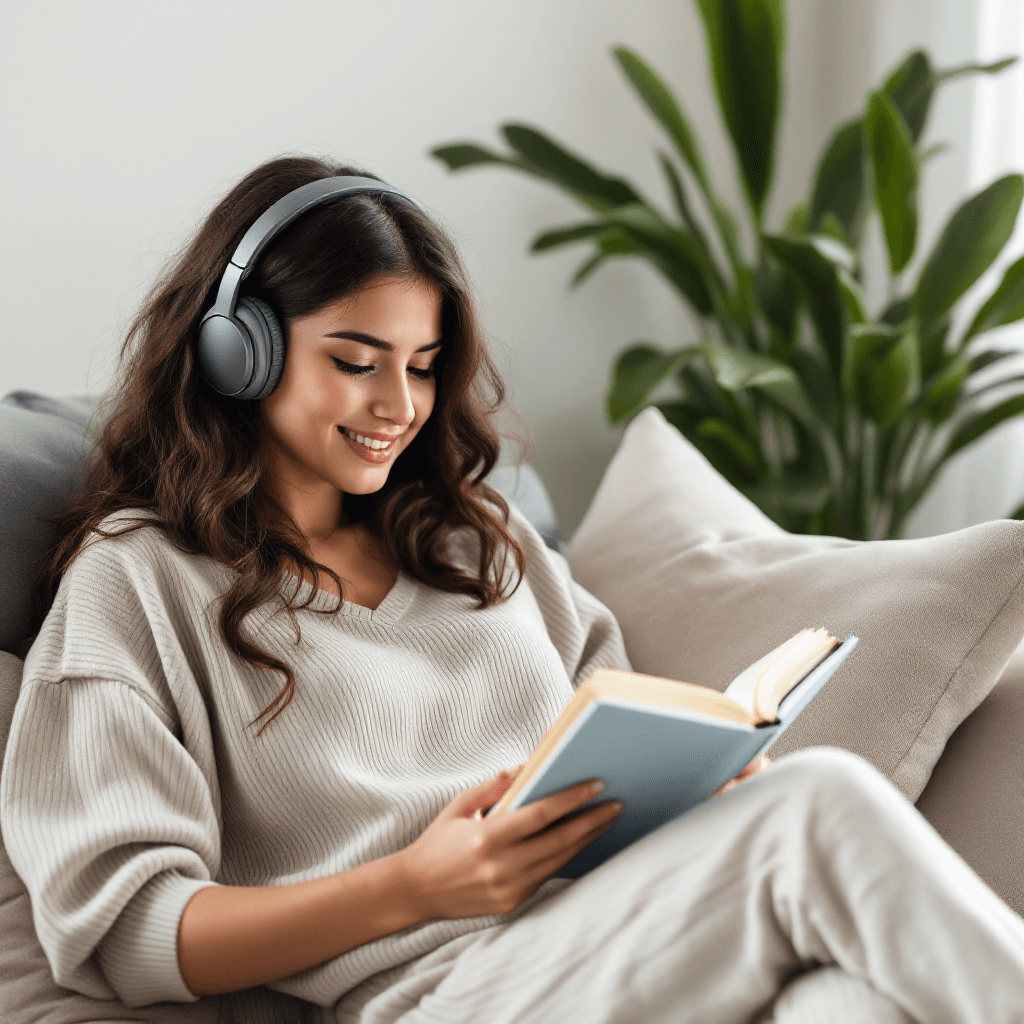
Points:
[(702, 583)]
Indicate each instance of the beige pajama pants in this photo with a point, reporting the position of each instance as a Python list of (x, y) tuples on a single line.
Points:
[(817, 860)]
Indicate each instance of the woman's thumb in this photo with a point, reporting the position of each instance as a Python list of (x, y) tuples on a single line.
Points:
[(482, 795)]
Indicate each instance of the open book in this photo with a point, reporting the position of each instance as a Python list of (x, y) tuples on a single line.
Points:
[(662, 746)]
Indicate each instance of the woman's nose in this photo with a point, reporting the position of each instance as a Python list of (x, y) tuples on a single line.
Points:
[(392, 400)]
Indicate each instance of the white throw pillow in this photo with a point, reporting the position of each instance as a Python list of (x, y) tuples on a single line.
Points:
[(703, 583)]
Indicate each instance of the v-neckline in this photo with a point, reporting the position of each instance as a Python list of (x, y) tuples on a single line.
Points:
[(390, 609)]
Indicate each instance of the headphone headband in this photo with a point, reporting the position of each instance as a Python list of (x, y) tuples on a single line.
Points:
[(234, 361)]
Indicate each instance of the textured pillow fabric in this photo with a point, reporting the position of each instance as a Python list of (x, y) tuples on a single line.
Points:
[(703, 583), (43, 442), (975, 797)]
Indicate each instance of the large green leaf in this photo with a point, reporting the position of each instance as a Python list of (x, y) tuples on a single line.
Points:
[(818, 281), (980, 360), (637, 372), (745, 42), (790, 493), (779, 299), (898, 311), (736, 370), (972, 238), (853, 298), (911, 87), (678, 191), (567, 235), (894, 167), (981, 423), (538, 155), (743, 449), (970, 69), (882, 371), (676, 252), (663, 105), (611, 243), (468, 154), (818, 382), (932, 340), (1004, 306), (839, 186), (941, 399), (572, 172), (838, 253)]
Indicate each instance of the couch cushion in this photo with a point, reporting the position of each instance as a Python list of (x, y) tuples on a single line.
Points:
[(975, 797), (43, 442), (703, 583)]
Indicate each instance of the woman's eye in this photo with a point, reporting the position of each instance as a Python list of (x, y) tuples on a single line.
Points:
[(356, 369), (351, 368)]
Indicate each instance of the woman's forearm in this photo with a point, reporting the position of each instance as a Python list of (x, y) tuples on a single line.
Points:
[(233, 937)]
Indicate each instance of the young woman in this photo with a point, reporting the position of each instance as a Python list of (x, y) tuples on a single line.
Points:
[(295, 640)]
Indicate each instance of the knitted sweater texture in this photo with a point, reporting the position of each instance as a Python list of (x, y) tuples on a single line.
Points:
[(133, 777)]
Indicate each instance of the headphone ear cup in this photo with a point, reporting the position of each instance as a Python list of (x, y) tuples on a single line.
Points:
[(268, 346)]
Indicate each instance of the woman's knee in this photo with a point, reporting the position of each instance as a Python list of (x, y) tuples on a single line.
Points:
[(830, 775)]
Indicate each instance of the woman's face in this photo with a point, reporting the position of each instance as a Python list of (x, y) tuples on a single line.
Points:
[(357, 386)]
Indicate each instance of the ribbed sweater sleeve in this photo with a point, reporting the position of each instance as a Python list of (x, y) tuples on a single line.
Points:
[(141, 812), (104, 808)]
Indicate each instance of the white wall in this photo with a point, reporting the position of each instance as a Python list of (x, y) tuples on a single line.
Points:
[(123, 121)]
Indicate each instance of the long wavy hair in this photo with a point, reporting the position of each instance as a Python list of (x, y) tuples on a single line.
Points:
[(194, 461)]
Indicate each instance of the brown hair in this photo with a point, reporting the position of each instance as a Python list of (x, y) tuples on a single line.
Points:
[(192, 458)]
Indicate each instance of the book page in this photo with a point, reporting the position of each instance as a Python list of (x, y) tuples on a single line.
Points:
[(763, 686), (787, 667), (741, 689)]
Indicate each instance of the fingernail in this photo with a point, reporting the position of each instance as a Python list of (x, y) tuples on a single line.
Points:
[(596, 787), (616, 806)]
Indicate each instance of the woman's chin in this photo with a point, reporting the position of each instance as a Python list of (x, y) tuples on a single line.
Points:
[(365, 480)]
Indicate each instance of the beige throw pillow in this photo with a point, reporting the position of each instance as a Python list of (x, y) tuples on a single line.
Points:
[(975, 797), (703, 583)]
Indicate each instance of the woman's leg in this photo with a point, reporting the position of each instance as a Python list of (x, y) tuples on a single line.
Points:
[(817, 859)]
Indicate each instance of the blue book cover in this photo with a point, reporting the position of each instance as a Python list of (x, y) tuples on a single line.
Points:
[(661, 761)]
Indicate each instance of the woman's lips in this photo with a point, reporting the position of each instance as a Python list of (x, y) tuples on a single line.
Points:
[(374, 455)]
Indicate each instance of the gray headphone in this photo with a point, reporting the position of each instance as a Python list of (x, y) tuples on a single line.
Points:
[(241, 344)]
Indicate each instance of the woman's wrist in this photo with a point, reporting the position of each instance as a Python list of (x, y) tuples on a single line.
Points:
[(234, 937), (399, 901), (409, 900)]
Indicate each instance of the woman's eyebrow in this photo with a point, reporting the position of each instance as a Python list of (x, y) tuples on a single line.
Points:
[(384, 346)]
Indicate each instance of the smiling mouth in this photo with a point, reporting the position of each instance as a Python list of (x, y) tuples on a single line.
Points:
[(373, 449), (368, 442)]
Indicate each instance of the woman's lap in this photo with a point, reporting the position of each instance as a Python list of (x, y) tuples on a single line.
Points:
[(690, 923)]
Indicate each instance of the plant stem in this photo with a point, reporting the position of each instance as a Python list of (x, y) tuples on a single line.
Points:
[(869, 439)]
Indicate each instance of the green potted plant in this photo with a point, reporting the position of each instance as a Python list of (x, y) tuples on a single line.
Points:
[(832, 417)]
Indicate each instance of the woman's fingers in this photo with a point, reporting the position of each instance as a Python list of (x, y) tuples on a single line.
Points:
[(759, 764), (483, 795), (513, 826), (566, 838), (541, 870)]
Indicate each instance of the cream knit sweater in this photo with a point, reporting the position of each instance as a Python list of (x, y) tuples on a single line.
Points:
[(132, 777)]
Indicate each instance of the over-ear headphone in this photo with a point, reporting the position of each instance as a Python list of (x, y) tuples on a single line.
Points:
[(241, 344)]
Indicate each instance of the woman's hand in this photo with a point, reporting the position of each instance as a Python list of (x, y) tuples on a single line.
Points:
[(759, 764), (464, 865)]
